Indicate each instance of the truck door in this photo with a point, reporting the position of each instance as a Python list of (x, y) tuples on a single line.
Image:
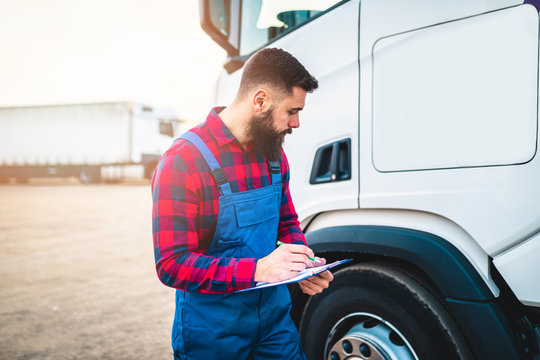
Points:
[(323, 36)]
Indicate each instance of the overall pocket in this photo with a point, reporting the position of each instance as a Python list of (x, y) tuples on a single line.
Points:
[(247, 224), (249, 213)]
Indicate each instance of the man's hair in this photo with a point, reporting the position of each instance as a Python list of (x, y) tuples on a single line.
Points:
[(277, 69)]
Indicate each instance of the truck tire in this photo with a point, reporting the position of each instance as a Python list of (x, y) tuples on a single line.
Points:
[(374, 311)]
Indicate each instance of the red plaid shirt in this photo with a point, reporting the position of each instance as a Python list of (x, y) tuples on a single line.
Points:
[(185, 210)]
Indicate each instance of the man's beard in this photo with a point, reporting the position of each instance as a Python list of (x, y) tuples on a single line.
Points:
[(264, 135)]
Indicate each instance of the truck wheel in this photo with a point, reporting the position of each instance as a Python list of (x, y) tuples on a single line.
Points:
[(373, 311), (90, 175)]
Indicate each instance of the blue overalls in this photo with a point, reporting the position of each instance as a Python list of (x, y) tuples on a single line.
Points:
[(244, 325)]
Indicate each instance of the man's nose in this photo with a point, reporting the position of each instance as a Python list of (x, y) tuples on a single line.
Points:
[(294, 122)]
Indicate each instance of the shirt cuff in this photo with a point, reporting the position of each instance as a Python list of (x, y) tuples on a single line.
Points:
[(244, 273), (293, 238)]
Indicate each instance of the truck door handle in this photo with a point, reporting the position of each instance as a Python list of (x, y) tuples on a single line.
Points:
[(332, 163)]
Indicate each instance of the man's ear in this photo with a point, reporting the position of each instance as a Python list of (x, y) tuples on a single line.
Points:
[(260, 100)]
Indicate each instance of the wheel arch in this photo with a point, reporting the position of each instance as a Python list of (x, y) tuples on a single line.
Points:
[(433, 259), (440, 261), (430, 257)]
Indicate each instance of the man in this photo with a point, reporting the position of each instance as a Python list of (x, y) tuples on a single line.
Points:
[(221, 201)]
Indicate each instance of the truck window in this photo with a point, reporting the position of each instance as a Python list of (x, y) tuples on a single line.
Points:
[(263, 20)]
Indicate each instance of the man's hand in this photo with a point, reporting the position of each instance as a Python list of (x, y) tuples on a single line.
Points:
[(316, 284), (283, 263)]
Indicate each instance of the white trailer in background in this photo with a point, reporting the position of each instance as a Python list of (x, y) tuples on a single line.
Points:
[(90, 141), (417, 156)]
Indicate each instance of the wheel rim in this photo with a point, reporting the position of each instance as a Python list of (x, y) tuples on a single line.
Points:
[(367, 336)]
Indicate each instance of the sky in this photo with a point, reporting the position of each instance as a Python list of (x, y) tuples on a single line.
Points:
[(70, 51)]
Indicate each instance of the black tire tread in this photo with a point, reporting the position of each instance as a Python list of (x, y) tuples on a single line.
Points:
[(407, 282)]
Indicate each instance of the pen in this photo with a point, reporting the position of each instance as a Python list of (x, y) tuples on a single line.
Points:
[(310, 258)]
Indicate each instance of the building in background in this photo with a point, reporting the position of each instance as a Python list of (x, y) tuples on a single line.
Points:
[(94, 141)]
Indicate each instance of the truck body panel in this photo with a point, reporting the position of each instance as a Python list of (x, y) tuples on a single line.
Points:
[(495, 205), (444, 95)]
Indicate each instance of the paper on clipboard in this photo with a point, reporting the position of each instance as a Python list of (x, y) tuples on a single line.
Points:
[(309, 272)]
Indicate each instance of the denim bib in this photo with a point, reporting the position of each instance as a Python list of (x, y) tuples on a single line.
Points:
[(246, 325)]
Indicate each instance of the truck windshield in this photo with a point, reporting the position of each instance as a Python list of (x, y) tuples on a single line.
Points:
[(263, 20)]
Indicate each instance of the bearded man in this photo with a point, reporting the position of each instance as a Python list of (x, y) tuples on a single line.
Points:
[(221, 202)]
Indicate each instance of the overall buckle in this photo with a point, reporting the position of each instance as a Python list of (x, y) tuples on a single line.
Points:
[(274, 167), (219, 176)]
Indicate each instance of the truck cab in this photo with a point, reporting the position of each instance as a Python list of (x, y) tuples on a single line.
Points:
[(416, 157)]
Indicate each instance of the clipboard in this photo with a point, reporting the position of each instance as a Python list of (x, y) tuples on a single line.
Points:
[(307, 273)]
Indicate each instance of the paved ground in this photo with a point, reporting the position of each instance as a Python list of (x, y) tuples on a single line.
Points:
[(77, 274)]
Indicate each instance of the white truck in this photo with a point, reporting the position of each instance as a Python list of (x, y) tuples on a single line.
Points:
[(82, 140), (417, 157)]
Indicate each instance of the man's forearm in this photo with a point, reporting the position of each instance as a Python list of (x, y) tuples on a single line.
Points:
[(196, 272)]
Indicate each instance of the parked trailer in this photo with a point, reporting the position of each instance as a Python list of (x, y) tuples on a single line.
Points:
[(82, 139)]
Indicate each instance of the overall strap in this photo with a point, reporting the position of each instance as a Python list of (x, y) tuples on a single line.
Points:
[(217, 172), (275, 172)]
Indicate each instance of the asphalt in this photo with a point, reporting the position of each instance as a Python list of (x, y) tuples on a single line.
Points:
[(77, 273)]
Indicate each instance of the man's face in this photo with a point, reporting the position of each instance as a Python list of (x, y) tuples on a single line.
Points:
[(268, 129)]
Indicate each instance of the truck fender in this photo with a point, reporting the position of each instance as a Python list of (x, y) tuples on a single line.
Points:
[(447, 267)]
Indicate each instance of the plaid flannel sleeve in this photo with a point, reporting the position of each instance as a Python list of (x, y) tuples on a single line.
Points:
[(289, 228), (176, 206)]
